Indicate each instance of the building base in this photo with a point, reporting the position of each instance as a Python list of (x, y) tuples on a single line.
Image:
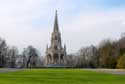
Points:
[(55, 66)]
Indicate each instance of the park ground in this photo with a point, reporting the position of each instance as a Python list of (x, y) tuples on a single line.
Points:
[(62, 76)]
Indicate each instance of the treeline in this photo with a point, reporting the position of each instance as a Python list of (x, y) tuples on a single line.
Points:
[(10, 57), (108, 54)]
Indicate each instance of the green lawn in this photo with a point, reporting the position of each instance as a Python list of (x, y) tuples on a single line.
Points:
[(60, 76)]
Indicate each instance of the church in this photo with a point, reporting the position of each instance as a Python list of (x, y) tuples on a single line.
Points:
[(56, 53)]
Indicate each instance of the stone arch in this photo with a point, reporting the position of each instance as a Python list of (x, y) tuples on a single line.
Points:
[(49, 58), (56, 38), (56, 58), (62, 58)]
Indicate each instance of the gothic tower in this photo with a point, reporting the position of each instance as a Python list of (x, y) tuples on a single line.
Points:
[(55, 54)]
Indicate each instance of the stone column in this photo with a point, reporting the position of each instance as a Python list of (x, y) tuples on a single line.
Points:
[(52, 59), (46, 60), (49, 59), (59, 59)]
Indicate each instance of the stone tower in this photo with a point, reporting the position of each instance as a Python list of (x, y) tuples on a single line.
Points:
[(55, 53)]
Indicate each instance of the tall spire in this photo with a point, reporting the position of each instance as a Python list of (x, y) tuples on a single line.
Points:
[(56, 28), (65, 47)]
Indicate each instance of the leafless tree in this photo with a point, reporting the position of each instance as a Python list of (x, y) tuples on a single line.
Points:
[(3, 50), (88, 56), (32, 56)]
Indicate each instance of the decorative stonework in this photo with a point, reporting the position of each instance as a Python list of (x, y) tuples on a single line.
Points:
[(55, 54)]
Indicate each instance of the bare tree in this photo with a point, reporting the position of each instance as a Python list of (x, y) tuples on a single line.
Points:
[(88, 56), (3, 49), (13, 54), (32, 56)]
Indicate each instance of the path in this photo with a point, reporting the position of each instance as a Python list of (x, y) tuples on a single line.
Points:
[(112, 71), (3, 70)]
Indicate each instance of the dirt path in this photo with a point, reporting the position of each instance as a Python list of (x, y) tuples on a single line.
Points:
[(3, 70), (112, 71)]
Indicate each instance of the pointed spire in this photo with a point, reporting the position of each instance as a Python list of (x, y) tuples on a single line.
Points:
[(56, 29), (47, 47), (65, 47)]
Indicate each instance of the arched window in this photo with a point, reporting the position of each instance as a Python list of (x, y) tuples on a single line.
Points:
[(56, 58), (62, 56), (55, 47), (55, 37)]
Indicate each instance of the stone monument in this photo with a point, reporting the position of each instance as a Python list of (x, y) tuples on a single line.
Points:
[(55, 53)]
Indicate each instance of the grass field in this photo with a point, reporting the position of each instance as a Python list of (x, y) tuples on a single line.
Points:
[(60, 76)]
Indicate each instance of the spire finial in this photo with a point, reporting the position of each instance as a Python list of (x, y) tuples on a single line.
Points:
[(56, 29), (56, 15), (47, 47), (65, 47), (56, 12)]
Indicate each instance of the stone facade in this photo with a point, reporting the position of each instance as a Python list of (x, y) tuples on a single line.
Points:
[(55, 54)]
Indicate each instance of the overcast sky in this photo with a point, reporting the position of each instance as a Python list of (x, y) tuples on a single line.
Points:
[(81, 22)]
